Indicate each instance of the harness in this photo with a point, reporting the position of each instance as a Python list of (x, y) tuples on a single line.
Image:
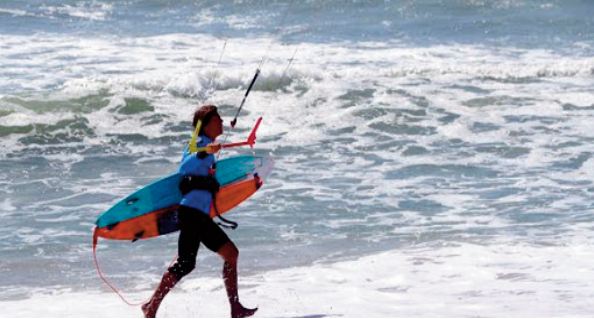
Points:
[(192, 182), (210, 184)]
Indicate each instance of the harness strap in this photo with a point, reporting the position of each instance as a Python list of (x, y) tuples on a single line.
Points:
[(229, 223), (193, 182), (226, 223), (208, 183)]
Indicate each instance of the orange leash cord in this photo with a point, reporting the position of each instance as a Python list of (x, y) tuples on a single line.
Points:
[(102, 276), (106, 281)]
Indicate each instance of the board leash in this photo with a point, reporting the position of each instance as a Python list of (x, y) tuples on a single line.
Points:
[(107, 281)]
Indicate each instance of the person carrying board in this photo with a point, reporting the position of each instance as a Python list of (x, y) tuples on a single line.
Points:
[(198, 188)]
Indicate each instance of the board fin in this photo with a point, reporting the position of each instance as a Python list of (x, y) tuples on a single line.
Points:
[(138, 235)]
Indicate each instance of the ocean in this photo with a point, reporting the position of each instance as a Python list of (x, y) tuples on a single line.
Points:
[(432, 158)]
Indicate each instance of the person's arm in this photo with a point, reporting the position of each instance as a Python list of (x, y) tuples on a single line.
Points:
[(213, 148)]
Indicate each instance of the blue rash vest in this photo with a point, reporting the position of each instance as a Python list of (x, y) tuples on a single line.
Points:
[(193, 165)]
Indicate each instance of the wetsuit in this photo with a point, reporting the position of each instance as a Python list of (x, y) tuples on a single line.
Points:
[(196, 226)]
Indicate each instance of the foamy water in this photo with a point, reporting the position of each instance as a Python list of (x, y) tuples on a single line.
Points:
[(419, 171), (498, 281)]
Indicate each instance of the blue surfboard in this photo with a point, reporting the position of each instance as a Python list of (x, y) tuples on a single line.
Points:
[(165, 193)]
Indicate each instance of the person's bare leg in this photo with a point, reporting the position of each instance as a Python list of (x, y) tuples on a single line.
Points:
[(230, 254), (150, 308)]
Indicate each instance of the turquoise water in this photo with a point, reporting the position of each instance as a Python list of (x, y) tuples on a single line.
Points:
[(397, 123)]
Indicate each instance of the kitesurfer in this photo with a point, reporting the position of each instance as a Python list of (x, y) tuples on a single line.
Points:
[(198, 187)]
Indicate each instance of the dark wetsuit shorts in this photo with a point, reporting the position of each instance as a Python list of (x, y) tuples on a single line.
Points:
[(195, 227)]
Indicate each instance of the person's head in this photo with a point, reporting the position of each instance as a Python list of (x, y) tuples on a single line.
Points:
[(212, 124)]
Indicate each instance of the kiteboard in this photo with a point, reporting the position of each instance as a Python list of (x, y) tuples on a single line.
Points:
[(152, 210)]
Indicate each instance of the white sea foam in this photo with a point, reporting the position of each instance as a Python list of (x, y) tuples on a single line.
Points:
[(96, 11), (6, 205), (93, 11), (494, 281), (388, 143), (14, 12)]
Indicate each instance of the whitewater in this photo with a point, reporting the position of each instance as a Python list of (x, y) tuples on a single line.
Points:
[(431, 159)]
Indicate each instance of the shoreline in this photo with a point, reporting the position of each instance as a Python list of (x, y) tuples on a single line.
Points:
[(461, 280)]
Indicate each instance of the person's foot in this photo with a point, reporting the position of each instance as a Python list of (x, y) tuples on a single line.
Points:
[(148, 310), (167, 282), (240, 312)]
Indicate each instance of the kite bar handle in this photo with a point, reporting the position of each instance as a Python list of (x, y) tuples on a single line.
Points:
[(251, 140)]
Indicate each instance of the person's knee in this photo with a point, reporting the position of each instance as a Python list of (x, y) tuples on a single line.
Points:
[(229, 252), (182, 267), (233, 255)]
